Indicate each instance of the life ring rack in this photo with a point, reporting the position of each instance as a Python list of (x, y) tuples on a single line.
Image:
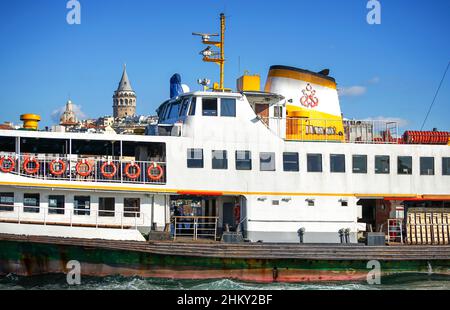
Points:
[(12, 164), (55, 172), (136, 174), (82, 173), (108, 175), (152, 176), (29, 160)]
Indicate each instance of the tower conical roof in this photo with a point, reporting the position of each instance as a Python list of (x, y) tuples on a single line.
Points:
[(125, 84)]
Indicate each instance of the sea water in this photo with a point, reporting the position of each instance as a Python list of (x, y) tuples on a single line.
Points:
[(58, 282)]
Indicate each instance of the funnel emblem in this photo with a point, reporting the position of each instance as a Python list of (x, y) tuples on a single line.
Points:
[(309, 98)]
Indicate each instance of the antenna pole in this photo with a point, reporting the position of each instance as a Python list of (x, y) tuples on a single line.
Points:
[(222, 51)]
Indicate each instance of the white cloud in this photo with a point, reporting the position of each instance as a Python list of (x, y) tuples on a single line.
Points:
[(56, 114), (400, 121), (374, 80), (352, 91)]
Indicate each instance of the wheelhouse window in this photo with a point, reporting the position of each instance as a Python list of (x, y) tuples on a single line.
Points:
[(267, 161), (228, 107), (106, 207), (446, 166), (132, 207), (31, 203), (209, 107), (219, 160), (359, 163), (56, 205), (404, 165), (243, 160), (337, 163), (382, 164), (192, 107), (314, 162), (82, 205), (7, 202), (290, 162), (195, 158), (427, 166), (174, 110), (184, 107)]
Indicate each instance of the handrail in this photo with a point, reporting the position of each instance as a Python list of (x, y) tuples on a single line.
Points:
[(195, 227)]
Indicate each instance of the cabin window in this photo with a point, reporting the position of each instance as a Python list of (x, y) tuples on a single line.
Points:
[(359, 163), (8, 144), (82, 205), (337, 163), (404, 165), (267, 161), (132, 207), (184, 107), (314, 162), (195, 158), (243, 160), (426, 165), (31, 203), (192, 106), (106, 207), (56, 205), (44, 146), (382, 164), (209, 106), (174, 110), (219, 160), (7, 202), (228, 107), (290, 162), (446, 166)]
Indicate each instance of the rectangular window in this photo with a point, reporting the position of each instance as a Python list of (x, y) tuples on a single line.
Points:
[(426, 165), (106, 207), (209, 106), (267, 161), (243, 160), (219, 160), (382, 164), (337, 163), (56, 205), (7, 202), (404, 165), (446, 166), (228, 107), (290, 162), (132, 207), (192, 106), (359, 163), (184, 107), (314, 162), (82, 205), (174, 110), (195, 158), (31, 203)]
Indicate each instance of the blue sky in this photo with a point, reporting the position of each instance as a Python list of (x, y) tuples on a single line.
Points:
[(396, 65)]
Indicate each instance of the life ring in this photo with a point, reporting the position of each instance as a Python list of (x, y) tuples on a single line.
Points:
[(151, 175), (60, 172), (82, 173), (132, 176), (29, 160), (12, 164), (106, 174)]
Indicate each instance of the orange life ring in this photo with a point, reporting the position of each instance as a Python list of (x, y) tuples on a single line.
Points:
[(111, 174), (130, 175), (55, 172), (151, 175), (12, 164), (29, 160), (83, 173)]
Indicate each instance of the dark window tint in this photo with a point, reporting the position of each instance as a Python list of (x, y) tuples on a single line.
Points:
[(427, 166), (337, 163), (446, 166), (209, 106), (193, 106), (359, 163), (267, 161), (82, 205), (314, 162), (195, 158), (219, 160), (31, 203), (106, 207), (228, 107), (243, 160), (8, 144), (132, 207), (382, 165), (290, 162), (404, 165), (7, 202), (174, 110), (55, 204), (184, 107)]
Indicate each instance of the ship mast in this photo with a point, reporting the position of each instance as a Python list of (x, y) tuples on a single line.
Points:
[(214, 56)]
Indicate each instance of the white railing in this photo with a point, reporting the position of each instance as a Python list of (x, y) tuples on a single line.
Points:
[(72, 217), (195, 227), (138, 171)]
